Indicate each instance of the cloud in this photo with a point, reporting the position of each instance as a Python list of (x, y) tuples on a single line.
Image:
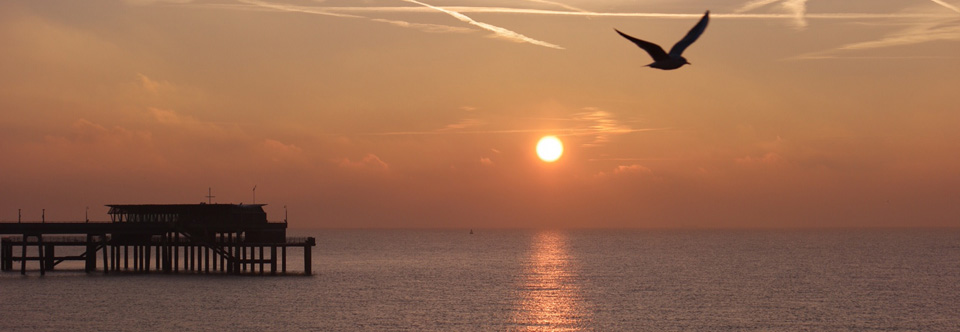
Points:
[(770, 158), (561, 5), (197, 128), (425, 27), (150, 2), (430, 28), (279, 152), (486, 161), (463, 124), (796, 8), (601, 125), (947, 5), (86, 147), (918, 33), (799, 9), (790, 8), (300, 9), (148, 84), (626, 169), (631, 169), (87, 132), (369, 162), (169, 117), (497, 31), (753, 5), (591, 122)]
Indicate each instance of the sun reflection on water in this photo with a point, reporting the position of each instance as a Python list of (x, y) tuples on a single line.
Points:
[(549, 298)]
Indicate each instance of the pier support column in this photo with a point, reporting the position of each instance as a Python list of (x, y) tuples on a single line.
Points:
[(243, 257), (273, 260), (106, 261), (166, 254), (40, 256), (49, 257), (23, 256), (146, 258), (6, 255), (90, 255), (307, 253), (261, 260), (176, 253)]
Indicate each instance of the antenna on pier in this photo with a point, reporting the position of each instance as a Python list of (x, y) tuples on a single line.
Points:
[(86, 214), (284, 214), (18, 216), (43, 215), (254, 194), (210, 195)]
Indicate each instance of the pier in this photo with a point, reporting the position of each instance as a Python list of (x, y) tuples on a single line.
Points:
[(178, 238)]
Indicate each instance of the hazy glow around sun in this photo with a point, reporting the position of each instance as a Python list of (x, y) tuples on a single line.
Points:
[(549, 148)]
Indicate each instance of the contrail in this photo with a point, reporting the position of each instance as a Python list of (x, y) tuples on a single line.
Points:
[(561, 5), (927, 32), (525, 11), (563, 131), (798, 9), (947, 5), (498, 31), (754, 5), (308, 10), (425, 27)]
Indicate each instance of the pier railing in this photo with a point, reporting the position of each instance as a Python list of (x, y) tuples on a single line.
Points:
[(156, 239)]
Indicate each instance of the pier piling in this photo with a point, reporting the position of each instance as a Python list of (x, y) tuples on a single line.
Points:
[(204, 238)]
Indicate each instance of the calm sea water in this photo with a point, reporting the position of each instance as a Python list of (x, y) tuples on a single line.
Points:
[(388, 280)]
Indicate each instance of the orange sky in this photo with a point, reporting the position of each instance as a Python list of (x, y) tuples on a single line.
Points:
[(401, 113)]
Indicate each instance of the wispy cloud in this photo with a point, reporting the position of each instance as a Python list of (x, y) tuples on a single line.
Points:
[(601, 124), (929, 28), (546, 12), (793, 10), (796, 8), (558, 131), (753, 5), (947, 5), (299, 9), (921, 33), (799, 10), (596, 124), (915, 34), (497, 31), (561, 5), (368, 162), (432, 28), (425, 27), (463, 124)]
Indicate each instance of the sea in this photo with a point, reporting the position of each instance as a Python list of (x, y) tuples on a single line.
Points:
[(532, 280)]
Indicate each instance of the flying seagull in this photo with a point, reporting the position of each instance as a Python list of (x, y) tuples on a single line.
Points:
[(672, 60)]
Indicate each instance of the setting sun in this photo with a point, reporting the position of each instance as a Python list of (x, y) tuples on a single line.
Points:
[(549, 149)]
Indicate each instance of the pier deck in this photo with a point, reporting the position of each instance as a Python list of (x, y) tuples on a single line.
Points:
[(165, 238)]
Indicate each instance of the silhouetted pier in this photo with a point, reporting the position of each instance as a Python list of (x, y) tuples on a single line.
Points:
[(191, 238)]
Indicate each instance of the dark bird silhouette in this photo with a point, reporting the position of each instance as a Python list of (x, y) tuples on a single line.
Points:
[(672, 60)]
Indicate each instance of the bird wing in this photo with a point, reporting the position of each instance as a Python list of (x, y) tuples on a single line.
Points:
[(691, 36), (655, 51)]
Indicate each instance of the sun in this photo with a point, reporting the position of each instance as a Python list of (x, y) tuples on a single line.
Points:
[(549, 148)]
